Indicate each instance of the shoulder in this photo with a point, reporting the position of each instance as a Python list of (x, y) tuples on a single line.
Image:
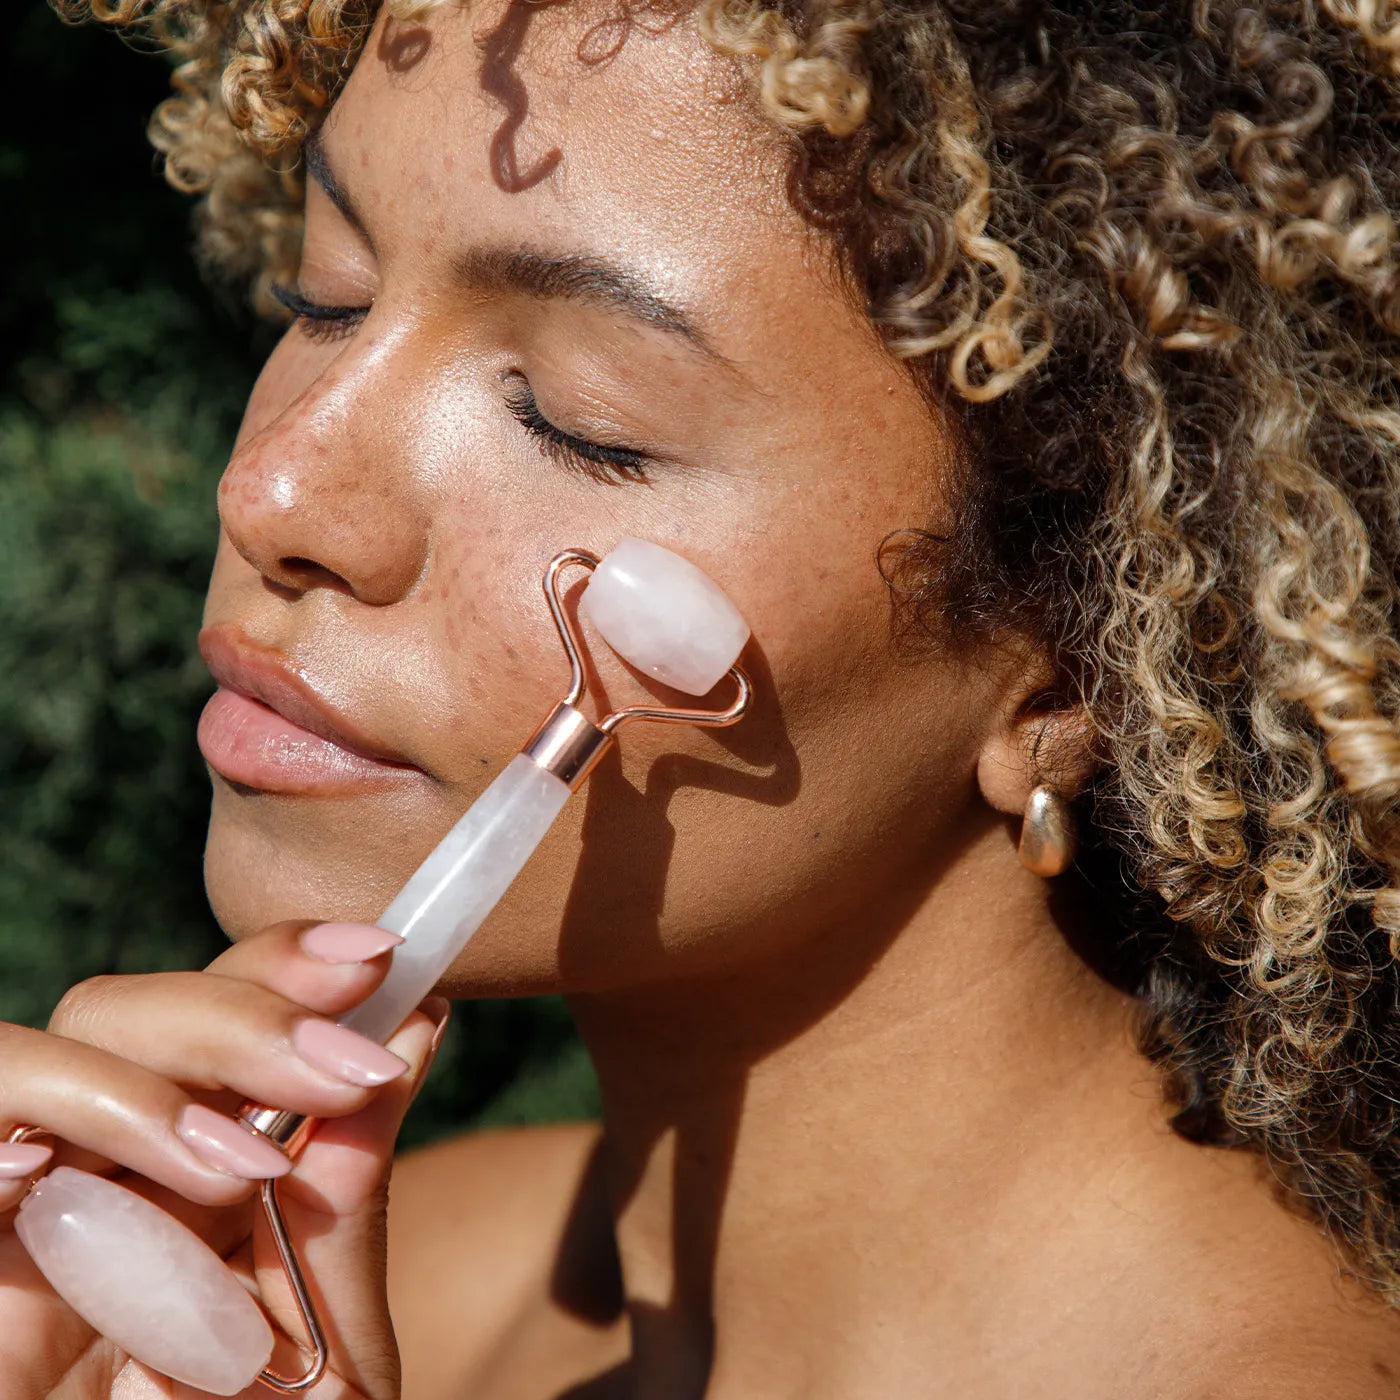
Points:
[(1241, 1339), (487, 1229), (1202, 1280), (1303, 1363), (1271, 1315), (523, 1171), (1334, 1340)]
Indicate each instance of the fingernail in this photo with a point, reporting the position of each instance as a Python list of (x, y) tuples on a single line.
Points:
[(438, 1009), (228, 1146), (347, 943), (345, 1054), (20, 1159)]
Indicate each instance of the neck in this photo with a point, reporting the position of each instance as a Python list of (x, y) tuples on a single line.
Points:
[(844, 1144)]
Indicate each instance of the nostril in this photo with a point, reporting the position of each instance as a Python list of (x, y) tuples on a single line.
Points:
[(307, 573)]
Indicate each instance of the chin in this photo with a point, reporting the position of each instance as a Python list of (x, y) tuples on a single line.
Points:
[(270, 858)]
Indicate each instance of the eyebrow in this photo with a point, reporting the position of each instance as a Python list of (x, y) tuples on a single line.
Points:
[(318, 166), (578, 277)]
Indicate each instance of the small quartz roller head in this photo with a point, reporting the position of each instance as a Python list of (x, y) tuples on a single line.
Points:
[(142, 1278), (659, 612)]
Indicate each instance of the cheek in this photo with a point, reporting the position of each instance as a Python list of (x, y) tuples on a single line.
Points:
[(698, 852), (489, 659)]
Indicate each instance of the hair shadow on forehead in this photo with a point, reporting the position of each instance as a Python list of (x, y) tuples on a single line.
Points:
[(402, 47), (500, 48), (501, 80)]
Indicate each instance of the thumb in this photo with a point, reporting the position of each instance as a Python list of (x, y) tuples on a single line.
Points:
[(334, 1204)]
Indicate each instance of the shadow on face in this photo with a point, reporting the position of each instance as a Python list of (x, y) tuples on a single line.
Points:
[(552, 294), (557, 301)]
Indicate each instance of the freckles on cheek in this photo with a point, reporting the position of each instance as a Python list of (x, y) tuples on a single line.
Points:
[(490, 617), (468, 638)]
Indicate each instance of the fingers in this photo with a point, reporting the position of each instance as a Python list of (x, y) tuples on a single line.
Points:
[(333, 1204), (343, 1161), (347, 1158), (334, 1207), (111, 1106), (327, 968), (220, 1033), (121, 1074)]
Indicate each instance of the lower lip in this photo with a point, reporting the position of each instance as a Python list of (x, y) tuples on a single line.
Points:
[(254, 746)]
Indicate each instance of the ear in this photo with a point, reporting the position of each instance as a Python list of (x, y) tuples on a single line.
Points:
[(1038, 738)]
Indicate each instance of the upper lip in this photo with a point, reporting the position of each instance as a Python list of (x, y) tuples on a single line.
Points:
[(263, 674)]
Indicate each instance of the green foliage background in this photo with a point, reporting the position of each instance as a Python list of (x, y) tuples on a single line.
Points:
[(122, 377)]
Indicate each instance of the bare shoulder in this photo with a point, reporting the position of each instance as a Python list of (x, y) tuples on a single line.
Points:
[(1336, 1340), (1307, 1362), (1268, 1311), (1203, 1280), (489, 1183), (488, 1229)]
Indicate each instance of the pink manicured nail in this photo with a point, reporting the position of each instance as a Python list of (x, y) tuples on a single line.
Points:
[(228, 1146), (20, 1159), (347, 943), (442, 1016), (346, 1054)]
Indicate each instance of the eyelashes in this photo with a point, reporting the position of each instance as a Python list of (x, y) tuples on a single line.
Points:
[(593, 459), (316, 320), (321, 323)]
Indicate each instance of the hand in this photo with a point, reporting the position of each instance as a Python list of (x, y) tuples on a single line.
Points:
[(123, 1058)]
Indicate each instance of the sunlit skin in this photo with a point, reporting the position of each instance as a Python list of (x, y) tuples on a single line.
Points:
[(872, 1127), (389, 460)]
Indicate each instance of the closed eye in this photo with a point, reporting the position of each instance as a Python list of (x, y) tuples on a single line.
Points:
[(317, 320), (320, 322), (594, 459)]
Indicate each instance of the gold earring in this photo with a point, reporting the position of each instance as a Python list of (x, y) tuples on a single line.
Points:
[(1049, 835)]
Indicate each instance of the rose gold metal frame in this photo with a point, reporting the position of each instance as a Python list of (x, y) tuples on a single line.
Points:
[(567, 744), (22, 1132)]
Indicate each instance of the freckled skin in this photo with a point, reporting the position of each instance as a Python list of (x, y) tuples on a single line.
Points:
[(873, 1129), (387, 459)]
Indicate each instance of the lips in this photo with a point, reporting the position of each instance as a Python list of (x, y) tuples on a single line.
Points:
[(267, 727)]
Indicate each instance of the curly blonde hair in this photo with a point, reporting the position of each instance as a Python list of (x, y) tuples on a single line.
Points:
[(1146, 258)]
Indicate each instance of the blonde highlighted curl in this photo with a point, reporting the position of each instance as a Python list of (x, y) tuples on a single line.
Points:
[(1146, 258)]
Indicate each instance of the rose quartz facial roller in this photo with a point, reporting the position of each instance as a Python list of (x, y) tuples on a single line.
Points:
[(154, 1287)]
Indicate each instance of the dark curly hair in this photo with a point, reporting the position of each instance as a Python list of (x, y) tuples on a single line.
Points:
[(1144, 257)]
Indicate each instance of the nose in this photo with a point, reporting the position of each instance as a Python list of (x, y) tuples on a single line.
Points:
[(316, 498)]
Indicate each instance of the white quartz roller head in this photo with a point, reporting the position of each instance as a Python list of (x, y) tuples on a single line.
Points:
[(664, 615), (153, 1286), (145, 1281)]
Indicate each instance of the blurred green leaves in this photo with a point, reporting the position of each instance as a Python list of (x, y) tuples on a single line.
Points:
[(121, 384), (111, 439), (104, 544)]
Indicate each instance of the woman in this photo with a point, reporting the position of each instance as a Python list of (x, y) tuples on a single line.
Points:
[(1026, 375)]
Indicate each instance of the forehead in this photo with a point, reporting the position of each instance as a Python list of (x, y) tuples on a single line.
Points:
[(549, 110), (574, 126)]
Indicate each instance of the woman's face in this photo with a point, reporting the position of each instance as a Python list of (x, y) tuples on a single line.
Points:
[(592, 314)]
